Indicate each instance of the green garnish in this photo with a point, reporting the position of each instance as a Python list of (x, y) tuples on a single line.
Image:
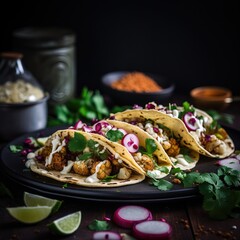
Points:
[(84, 156), (151, 146), (90, 105), (161, 184), (15, 148), (97, 225), (109, 178), (77, 143), (97, 150), (114, 135), (220, 199)]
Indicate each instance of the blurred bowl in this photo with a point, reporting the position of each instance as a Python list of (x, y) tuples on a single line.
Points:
[(20, 118), (130, 97), (211, 97)]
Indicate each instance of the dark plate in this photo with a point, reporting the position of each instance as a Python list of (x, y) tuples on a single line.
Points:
[(13, 165)]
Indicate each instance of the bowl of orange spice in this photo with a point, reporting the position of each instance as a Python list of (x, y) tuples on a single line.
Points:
[(129, 88)]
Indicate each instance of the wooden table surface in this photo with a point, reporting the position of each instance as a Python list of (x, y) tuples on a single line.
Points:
[(186, 217)]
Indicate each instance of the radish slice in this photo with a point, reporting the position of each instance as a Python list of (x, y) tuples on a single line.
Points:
[(127, 216), (97, 127), (131, 142), (86, 128), (152, 230), (122, 131), (190, 121), (78, 125), (230, 162), (106, 235)]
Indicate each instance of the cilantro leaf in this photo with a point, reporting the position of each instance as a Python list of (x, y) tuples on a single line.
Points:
[(77, 143), (151, 146), (190, 179), (85, 156), (161, 184), (15, 148), (114, 135), (97, 225)]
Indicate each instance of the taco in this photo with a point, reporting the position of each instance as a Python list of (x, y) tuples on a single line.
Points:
[(77, 157), (160, 128), (136, 145), (197, 129)]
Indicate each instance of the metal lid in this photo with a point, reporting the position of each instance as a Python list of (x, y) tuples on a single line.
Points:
[(43, 37)]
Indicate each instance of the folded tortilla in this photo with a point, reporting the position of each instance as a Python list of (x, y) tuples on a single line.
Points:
[(148, 156), (160, 128), (215, 143), (76, 157)]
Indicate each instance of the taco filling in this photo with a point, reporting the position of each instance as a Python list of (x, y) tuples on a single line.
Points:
[(212, 140), (137, 145), (179, 155), (75, 157)]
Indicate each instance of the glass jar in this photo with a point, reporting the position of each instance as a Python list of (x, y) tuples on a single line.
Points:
[(17, 85), (23, 103)]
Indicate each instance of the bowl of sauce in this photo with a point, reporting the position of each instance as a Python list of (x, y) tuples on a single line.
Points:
[(211, 97)]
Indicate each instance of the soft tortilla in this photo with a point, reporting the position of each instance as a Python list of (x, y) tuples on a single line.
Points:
[(178, 127), (163, 157), (160, 154), (74, 178)]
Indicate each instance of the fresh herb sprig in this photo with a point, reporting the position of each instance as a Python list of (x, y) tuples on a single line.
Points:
[(220, 190), (90, 105)]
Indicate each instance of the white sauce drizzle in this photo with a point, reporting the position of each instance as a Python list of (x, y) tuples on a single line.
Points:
[(93, 178), (55, 148), (67, 168)]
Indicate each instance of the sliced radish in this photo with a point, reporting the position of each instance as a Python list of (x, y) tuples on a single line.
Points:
[(230, 162), (152, 230), (131, 142), (127, 216), (106, 235), (190, 121), (122, 131), (97, 127), (78, 125), (86, 128)]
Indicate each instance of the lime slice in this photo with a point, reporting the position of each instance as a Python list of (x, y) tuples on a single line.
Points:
[(30, 214), (41, 140), (67, 224), (33, 200)]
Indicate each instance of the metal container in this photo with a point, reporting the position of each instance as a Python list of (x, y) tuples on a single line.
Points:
[(20, 118), (49, 53), (23, 104)]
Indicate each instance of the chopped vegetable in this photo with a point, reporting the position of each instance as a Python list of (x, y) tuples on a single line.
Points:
[(131, 142), (106, 235), (190, 121), (127, 216), (152, 230), (230, 162)]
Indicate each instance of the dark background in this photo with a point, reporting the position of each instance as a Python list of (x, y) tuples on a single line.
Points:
[(192, 43)]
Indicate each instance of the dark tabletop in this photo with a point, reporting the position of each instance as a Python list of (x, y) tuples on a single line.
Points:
[(186, 216)]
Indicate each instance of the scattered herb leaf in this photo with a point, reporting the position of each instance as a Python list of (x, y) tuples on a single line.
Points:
[(15, 148), (98, 225), (77, 143)]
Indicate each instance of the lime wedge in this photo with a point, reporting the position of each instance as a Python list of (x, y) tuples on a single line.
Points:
[(41, 140), (66, 225), (33, 200), (29, 214)]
